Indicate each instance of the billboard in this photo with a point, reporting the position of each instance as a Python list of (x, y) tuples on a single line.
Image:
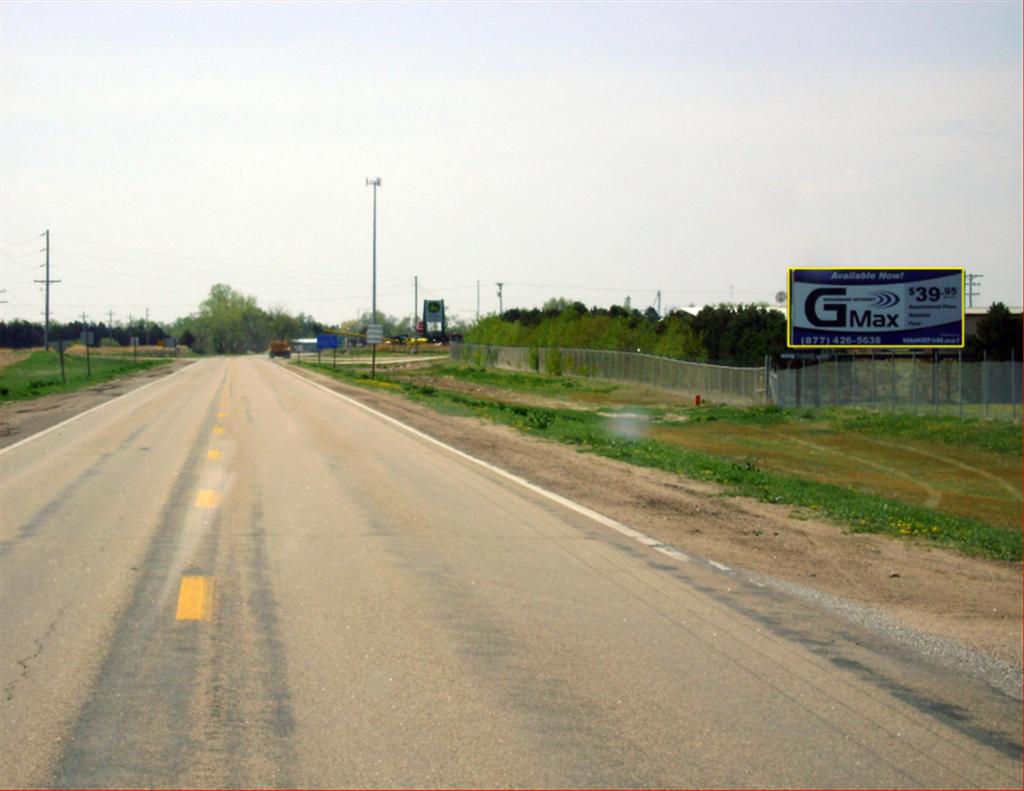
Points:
[(832, 307), (434, 326), (326, 341)]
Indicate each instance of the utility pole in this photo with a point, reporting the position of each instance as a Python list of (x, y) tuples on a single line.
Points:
[(147, 326), (478, 300), (85, 339), (47, 281), (110, 322), (501, 304), (973, 288), (415, 304), (373, 362), (659, 303)]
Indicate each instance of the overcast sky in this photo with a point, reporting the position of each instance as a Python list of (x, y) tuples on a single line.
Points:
[(581, 150)]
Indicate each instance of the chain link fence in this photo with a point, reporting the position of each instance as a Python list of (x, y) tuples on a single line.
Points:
[(720, 383), (908, 382), (917, 382)]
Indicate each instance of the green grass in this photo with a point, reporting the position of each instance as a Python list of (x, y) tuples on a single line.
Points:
[(858, 511), (39, 374), (515, 380), (995, 436)]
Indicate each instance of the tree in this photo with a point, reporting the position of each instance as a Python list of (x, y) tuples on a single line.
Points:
[(998, 334), (229, 322)]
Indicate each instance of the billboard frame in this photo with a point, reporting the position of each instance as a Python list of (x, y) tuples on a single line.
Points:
[(789, 307)]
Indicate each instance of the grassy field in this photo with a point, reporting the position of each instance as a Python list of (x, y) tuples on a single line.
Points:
[(941, 479), (39, 373)]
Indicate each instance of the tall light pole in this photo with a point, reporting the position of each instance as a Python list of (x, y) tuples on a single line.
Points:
[(373, 362)]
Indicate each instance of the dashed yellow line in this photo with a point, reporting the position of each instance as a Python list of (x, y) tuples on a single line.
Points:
[(195, 599), (218, 430), (207, 498), (221, 414), (213, 453)]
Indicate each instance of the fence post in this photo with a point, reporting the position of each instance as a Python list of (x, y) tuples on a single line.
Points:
[(835, 378), (1013, 386), (960, 380), (874, 380), (984, 380), (892, 359), (913, 379), (935, 380), (853, 380)]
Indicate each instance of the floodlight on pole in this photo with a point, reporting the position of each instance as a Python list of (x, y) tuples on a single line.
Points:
[(373, 362)]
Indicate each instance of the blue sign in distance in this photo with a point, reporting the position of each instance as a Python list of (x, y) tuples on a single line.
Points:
[(830, 308), (327, 341)]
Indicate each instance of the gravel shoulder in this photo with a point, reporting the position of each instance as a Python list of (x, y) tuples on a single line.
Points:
[(21, 419), (970, 601)]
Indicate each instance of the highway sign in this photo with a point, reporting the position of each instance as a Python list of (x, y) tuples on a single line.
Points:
[(327, 341), (873, 307), (374, 333)]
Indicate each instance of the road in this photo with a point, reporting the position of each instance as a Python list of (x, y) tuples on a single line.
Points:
[(235, 578)]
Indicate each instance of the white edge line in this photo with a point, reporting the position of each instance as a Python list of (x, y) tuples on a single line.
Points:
[(89, 411), (607, 521)]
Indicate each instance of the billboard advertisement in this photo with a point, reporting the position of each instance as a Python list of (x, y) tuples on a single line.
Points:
[(433, 319), (831, 307)]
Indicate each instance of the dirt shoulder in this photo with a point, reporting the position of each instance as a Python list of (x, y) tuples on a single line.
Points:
[(21, 419), (971, 601)]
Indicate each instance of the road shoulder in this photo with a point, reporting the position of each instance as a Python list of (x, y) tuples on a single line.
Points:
[(21, 419), (970, 601)]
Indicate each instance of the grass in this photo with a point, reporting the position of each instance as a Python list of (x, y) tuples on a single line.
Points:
[(520, 382), (818, 461), (996, 436), (39, 374)]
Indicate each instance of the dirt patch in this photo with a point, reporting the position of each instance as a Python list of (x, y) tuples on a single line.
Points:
[(12, 356), (938, 591), (20, 419)]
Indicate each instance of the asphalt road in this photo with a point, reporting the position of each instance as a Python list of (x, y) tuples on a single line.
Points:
[(235, 578)]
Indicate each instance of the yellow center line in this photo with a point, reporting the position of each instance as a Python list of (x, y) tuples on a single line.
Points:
[(195, 599), (221, 414), (213, 453), (207, 498), (218, 430)]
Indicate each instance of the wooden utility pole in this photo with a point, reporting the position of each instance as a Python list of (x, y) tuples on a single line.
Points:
[(47, 282)]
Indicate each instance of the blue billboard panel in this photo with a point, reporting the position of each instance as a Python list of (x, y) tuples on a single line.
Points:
[(890, 308), (327, 341)]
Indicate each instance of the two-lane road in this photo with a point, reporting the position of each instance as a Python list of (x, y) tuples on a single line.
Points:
[(235, 578)]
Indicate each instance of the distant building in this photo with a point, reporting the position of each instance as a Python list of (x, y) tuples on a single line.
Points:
[(304, 345)]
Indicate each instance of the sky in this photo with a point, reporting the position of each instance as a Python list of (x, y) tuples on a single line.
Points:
[(588, 151)]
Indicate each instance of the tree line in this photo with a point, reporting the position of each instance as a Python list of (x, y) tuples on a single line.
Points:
[(729, 334), (732, 334), (230, 322)]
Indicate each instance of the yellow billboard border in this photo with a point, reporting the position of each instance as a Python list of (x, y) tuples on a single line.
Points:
[(789, 312)]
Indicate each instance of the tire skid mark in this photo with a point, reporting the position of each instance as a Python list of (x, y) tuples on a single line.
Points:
[(139, 692)]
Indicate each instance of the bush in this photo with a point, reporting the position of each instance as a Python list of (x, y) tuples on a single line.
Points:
[(553, 362)]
